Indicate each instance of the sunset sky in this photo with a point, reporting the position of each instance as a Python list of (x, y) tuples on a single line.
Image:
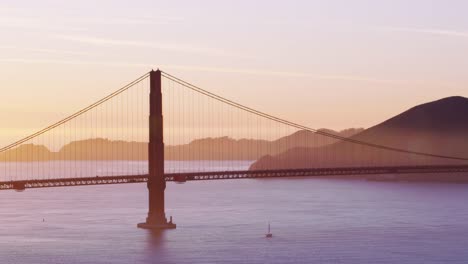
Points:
[(323, 63)]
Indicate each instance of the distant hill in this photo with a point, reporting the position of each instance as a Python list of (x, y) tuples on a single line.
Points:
[(439, 127), (223, 148), (226, 148), (27, 152)]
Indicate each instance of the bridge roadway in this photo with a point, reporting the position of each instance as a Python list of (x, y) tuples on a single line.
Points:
[(224, 175)]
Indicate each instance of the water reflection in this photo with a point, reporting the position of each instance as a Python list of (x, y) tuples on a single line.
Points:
[(155, 245)]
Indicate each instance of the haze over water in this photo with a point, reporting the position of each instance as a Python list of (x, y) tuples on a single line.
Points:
[(314, 220)]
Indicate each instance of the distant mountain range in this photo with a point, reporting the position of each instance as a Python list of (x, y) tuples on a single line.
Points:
[(223, 148), (439, 127)]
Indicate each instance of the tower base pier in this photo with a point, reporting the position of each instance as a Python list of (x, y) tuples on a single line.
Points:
[(157, 223), (167, 225)]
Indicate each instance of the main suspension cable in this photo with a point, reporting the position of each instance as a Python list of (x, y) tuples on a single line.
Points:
[(298, 126), (73, 116)]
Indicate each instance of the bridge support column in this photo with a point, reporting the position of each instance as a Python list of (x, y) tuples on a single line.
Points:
[(156, 183)]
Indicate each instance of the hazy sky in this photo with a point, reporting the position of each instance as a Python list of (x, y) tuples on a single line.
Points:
[(322, 63)]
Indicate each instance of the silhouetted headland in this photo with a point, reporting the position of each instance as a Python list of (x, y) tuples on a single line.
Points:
[(439, 127)]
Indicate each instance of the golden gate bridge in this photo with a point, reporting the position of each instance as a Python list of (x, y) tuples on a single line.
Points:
[(160, 128)]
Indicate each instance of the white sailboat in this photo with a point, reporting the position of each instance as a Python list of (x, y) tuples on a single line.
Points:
[(269, 234)]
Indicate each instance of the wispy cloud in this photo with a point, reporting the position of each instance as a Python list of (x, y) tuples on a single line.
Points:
[(332, 77), (194, 68), (160, 20), (34, 23), (112, 42), (108, 42), (353, 78), (440, 32), (46, 19), (46, 51), (73, 62)]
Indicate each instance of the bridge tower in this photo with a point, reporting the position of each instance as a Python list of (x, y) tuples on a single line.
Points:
[(156, 183)]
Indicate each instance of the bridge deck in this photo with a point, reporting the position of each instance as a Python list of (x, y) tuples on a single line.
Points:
[(222, 175)]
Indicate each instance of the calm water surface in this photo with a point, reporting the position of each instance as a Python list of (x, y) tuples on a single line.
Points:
[(313, 221)]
